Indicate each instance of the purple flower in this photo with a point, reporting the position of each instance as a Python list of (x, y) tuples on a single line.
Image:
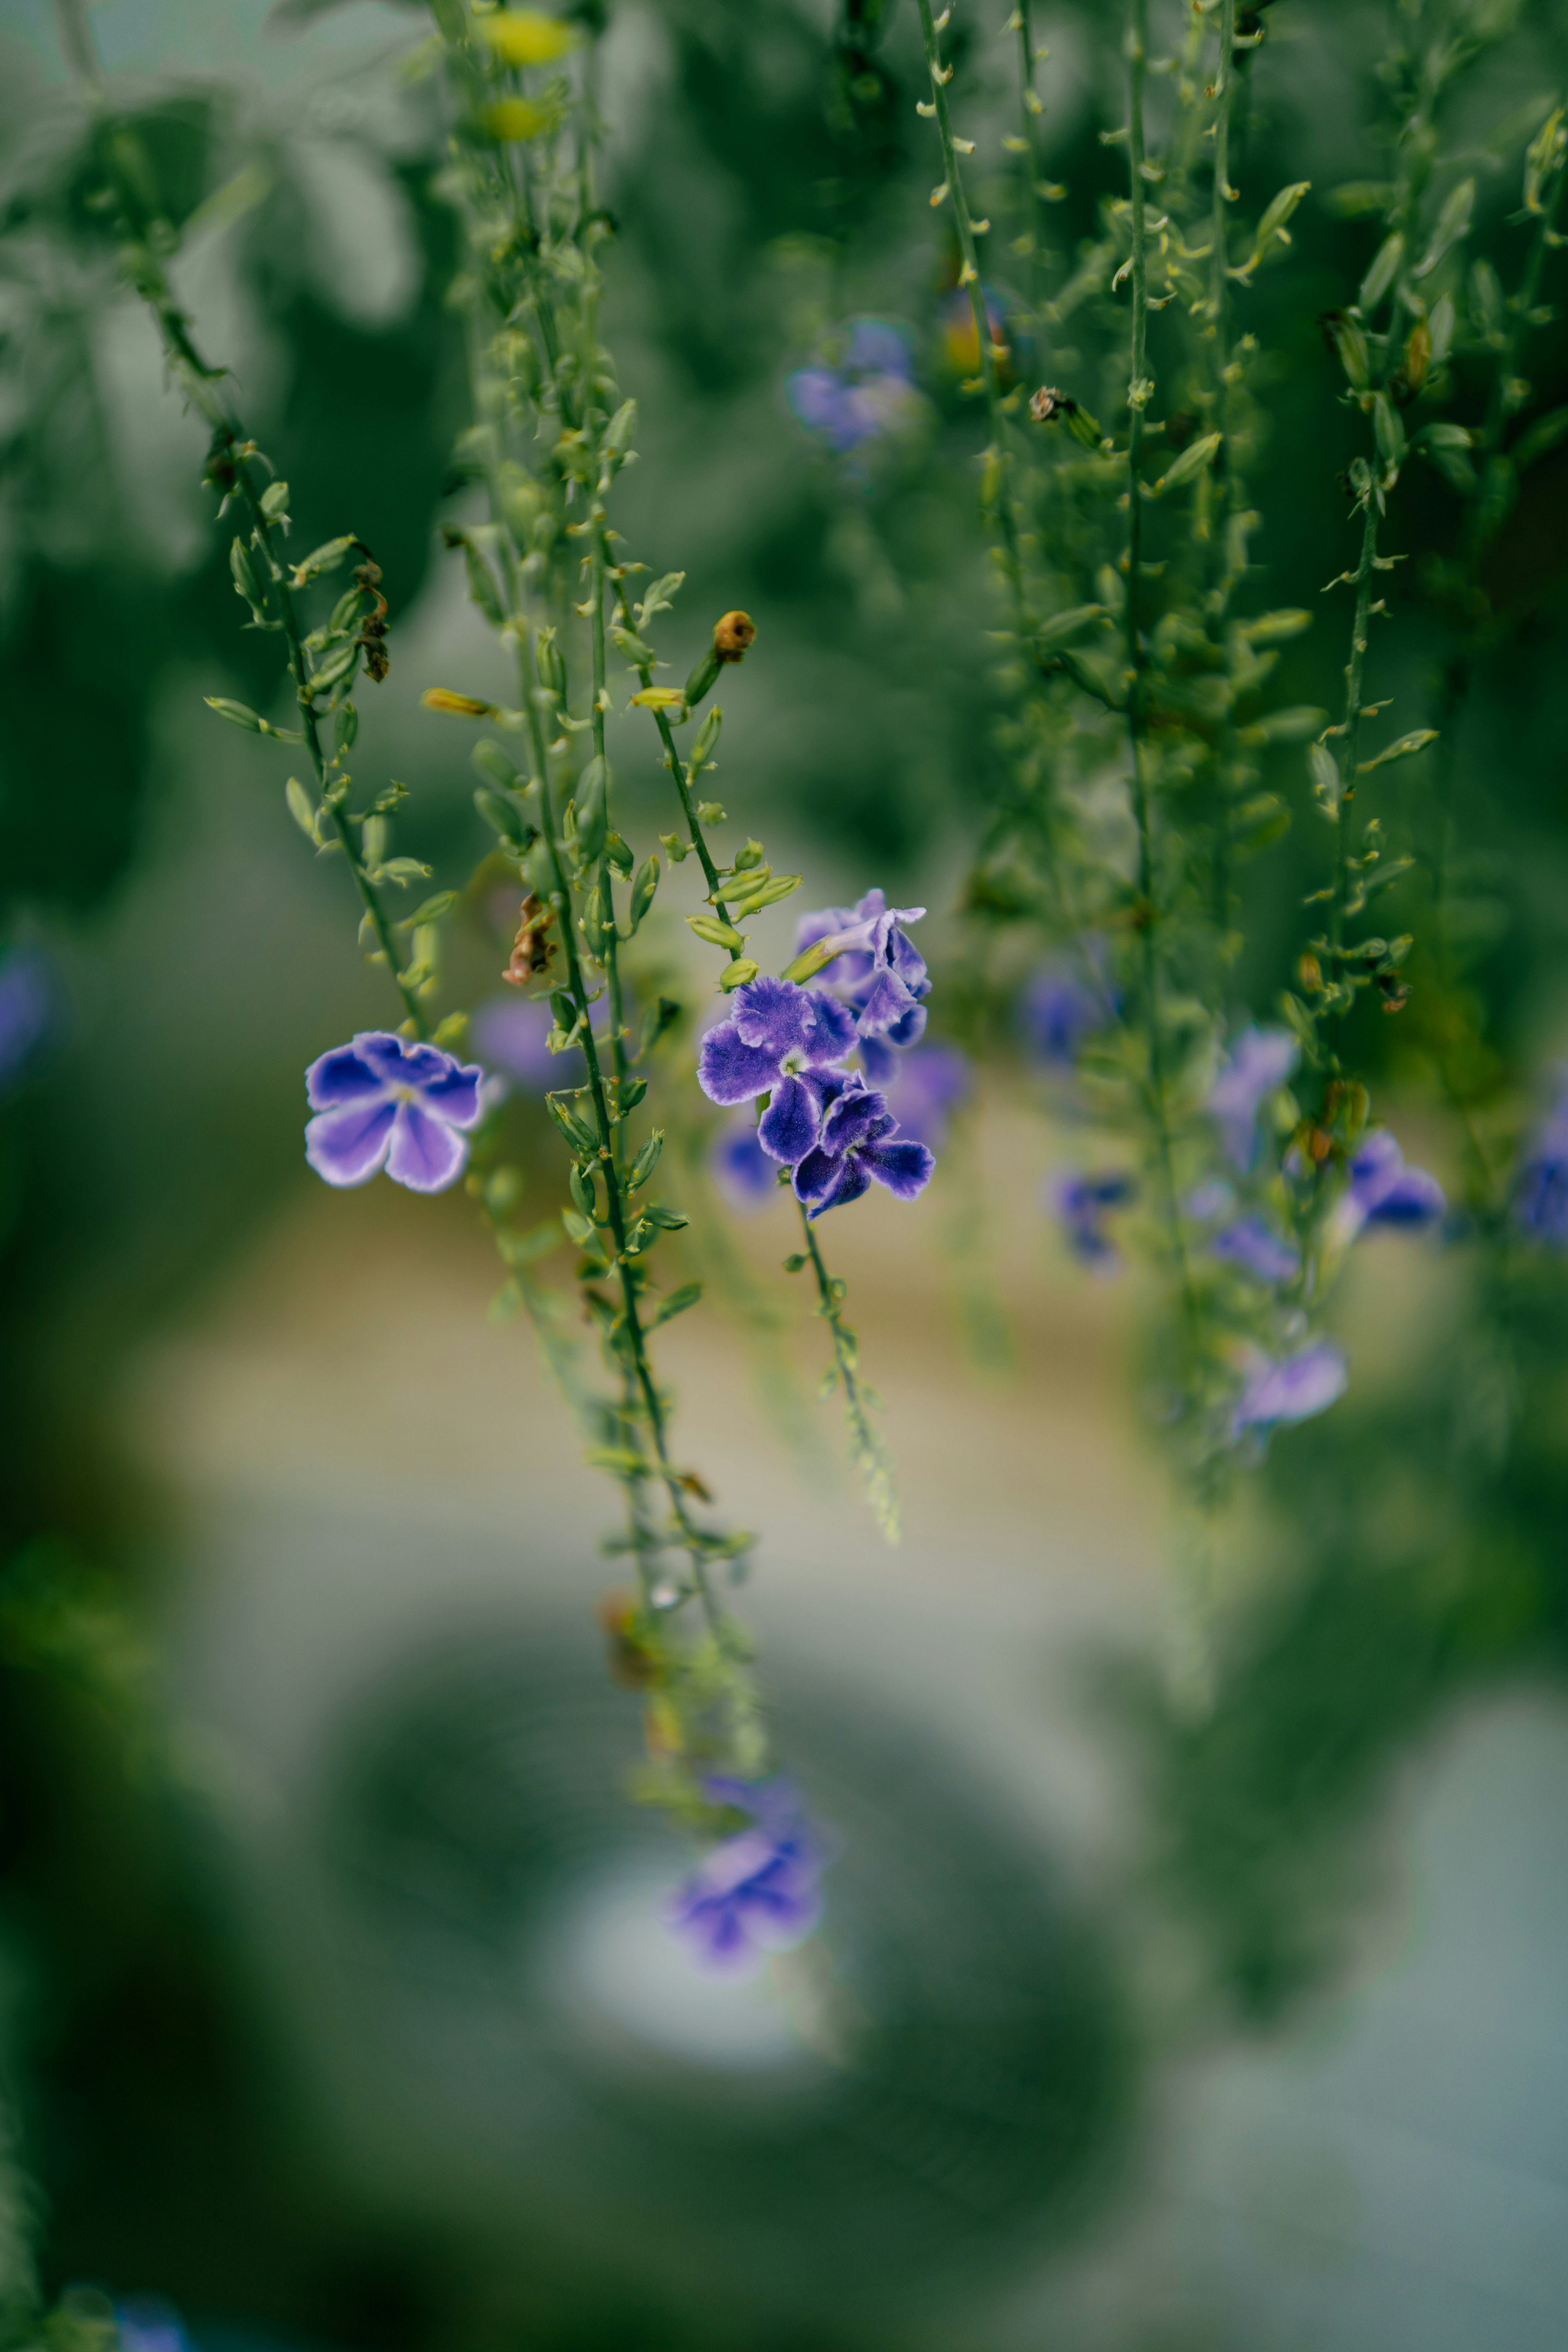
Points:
[(879, 970), (382, 1102), (1383, 1192), (508, 1035), (781, 1040), (1259, 1061), (1056, 1011), (929, 1083), (1292, 1390), (26, 1005), (743, 1171), (871, 393), (1080, 1203), (1252, 1244), (759, 1891), (147, 2324), (860, 1140), (1541, 1195)]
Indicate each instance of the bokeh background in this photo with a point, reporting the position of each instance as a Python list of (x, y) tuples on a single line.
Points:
[(333, 2004)]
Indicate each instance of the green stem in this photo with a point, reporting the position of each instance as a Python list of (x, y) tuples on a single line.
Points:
[(1350, 730), (866, 1446)]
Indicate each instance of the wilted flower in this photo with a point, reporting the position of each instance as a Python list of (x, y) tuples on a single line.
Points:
[(869, 394), (1057, 1010), (1080, 1203), (741, 1169), (26, 1005), (777, 1039), (1291, 1389), (1259, 1063), (929, 1083), (1383, 1192), (382, 1102), (1540, 1196), (860, 1140), (759, 1891), (1252, 1244)]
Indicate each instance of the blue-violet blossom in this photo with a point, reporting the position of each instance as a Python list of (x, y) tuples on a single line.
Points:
[(759, 1891), (740, 1168), (1259, 1063), (383, 1102), (880, 973), (1541, 1195), (1291, 1389), (1383, 1192), (858, 1139), (1080, 1203), (26, 1008), (869, 394), (930, 1084), (1252, 1244), (780, 1040), (1057, 1010)]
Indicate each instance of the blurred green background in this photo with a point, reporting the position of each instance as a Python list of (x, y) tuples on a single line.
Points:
[(331, 2009)]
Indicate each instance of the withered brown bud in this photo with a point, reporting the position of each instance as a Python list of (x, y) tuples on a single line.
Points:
[(630, 1664), (1048, 403), (733, 636), (531, 950), (373, 628)]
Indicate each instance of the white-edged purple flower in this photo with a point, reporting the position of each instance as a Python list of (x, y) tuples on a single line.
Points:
[(758, 1891), (929, 1083), (869, 394), (27, 1010), (1258, 1065), (1293, 1389), (1252, 1244), (1081, 1204), (1057, 1008), (1383, 1192), (382, 1102), (1541, 1193), (780, 1040), (858, 1139), (879, 972), (743, 1171)]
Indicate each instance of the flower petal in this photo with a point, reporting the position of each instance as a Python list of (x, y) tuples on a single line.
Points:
[(343, 1075), (886, 1001), (788, 1126), (426, 1154), (816, 1175), (776, 1013), (850, 1182), (386, 1054), (879, 1060), (857, 1118), (731, 1072), (348, 1146), (900, 1163), (455, 1095), (832, 1028)]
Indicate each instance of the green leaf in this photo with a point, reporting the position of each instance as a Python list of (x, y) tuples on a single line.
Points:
[(628, 642), (1382, 272), (1276, 213), (1537, 438), (334, 669), (1062, 625), (1404, 748), (581, 1139), (617, 855), (591, 811), (1453, 222), (1388, 430), (738, 974), (1274, 629), (781, 885), (581, 1188), (810, 961), (647, 1160), (716, 934), (433, 910), (237, 714), (503, 816), (707, 736), (623, 424), (643, 889), (481, 583), (1193, 460), (581, 1230), (320, 560), (1325, 776), (402, 871), (668, 1221), (493, 763), (676, 1304), (274, 499), (659, 597), (301, 808)]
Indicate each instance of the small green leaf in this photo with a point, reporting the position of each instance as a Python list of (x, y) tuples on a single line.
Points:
[(494, 765), (1274, 629), (237, 714), (738, 974), (716, 934), (810, 961), (433, 910), (659, 597), (668, 1221), (676, 1304), (590, 808), (1406, 748), (323, 559), (402, 871), (274, 499), (579, 1227), (503, 816), (1193, 460), (301, 808), (643, 889), (780, 887), (1382, 274), (581, 1139), (647, 1160)]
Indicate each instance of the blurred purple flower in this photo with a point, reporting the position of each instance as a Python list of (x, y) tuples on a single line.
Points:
[(147, 2324), (1081, 1204), (384, 1103), (1213, 1199), (1383, 1192), (508, 1035), (759, 1891), (1252, 1244), (1291, 1389), (930, 1083), (1260, 1062), (860, 1140), (740, 1168), (26, 1008), (780, 1040), (1057, 1008), (870, 394), (1541, 1193)]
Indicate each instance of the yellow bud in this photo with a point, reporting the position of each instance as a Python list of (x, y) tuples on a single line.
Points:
[(515, 118), (525, 37), (461, 706)]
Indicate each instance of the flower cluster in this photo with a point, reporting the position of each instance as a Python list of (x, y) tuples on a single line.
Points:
[(758, 1891), (830, 1125), (868, 395)]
